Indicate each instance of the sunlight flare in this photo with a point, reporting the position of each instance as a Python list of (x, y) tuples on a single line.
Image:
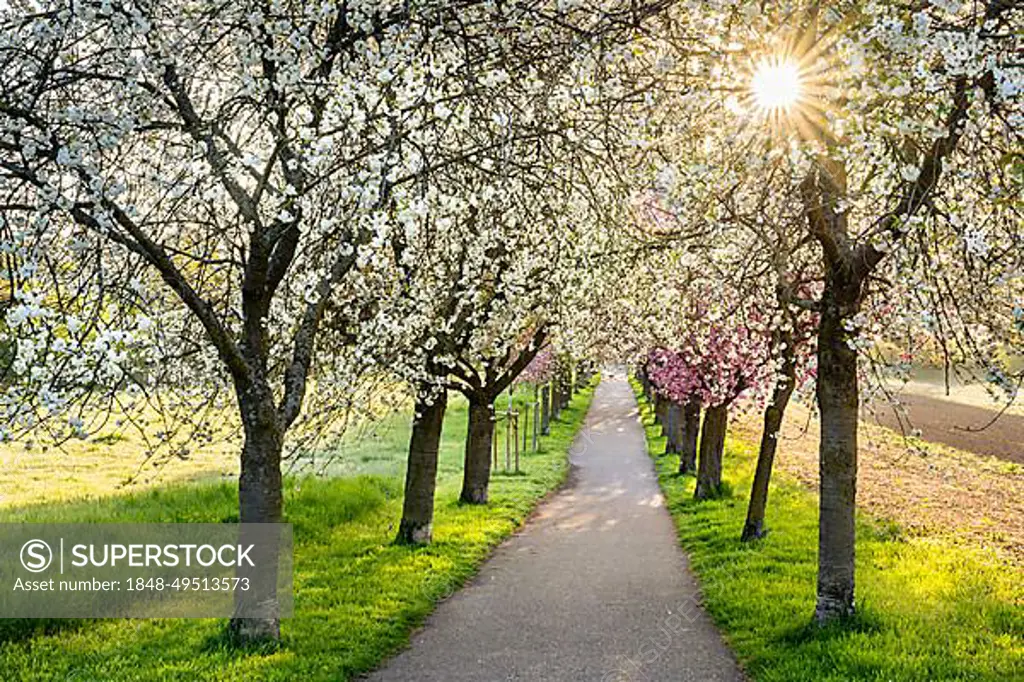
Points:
[(776, 84)]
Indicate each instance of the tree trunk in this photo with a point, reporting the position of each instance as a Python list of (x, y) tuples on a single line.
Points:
[(476, 473), (660, 412), (712, 445), (838, 403), (545, 406), (421, 472), (260, 500), (673, 425), (688, 437), (773, 414)]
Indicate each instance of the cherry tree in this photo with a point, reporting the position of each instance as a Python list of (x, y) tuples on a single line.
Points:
[(719, 359), (186, 154), (540, 369), (500, 245), (679, 381), (769, 260)]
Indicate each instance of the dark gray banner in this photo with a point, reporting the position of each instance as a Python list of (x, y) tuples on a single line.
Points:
[(145, 570)]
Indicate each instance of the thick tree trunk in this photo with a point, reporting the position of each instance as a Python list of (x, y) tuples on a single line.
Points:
[(673, 426), (260, 500), (712, 445), (688, 437), (838, 403), (421, 472), (773, 415), (661, 412), (476, 473)]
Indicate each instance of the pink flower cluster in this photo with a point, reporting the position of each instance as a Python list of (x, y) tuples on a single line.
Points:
[(540, 369), (716, 368), (673, 375)]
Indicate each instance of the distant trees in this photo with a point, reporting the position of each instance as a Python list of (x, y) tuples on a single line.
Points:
[(722, 354)]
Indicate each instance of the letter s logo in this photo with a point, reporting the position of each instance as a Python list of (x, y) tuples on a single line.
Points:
[(36, 556)]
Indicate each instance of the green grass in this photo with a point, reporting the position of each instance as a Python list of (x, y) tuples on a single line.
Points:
[(927, 611), (357, 595)]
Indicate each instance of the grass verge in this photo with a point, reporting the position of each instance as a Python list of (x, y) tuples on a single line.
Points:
[(928, 610), (357, 595)]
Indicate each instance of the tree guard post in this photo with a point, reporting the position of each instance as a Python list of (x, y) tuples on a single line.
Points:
[(508, 446), (536, 417), (526, 422), (556, 395), (556, 398), (494, 440), (515, 429)]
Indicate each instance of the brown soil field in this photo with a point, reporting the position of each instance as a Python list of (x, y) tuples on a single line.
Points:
[(960, 426), (927, 488)]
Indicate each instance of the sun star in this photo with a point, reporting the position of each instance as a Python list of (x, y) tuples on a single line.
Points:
[(776, 85)]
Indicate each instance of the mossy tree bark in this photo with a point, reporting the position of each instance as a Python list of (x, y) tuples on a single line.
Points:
[(838, 401), (476, 474), (673, 427), (661, 413), (848, 266), (260, 501)]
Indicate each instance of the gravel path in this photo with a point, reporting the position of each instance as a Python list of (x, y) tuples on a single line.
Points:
[(594, 588)]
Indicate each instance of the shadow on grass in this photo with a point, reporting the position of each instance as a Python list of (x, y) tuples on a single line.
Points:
[(24, 629), (357, 596), (225, 642), (863, 622)]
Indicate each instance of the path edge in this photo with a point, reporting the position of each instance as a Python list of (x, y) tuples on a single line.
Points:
[(568, 481)]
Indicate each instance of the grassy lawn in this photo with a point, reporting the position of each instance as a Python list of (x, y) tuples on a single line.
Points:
[(357, 596), (112, 462), (928, 610)]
